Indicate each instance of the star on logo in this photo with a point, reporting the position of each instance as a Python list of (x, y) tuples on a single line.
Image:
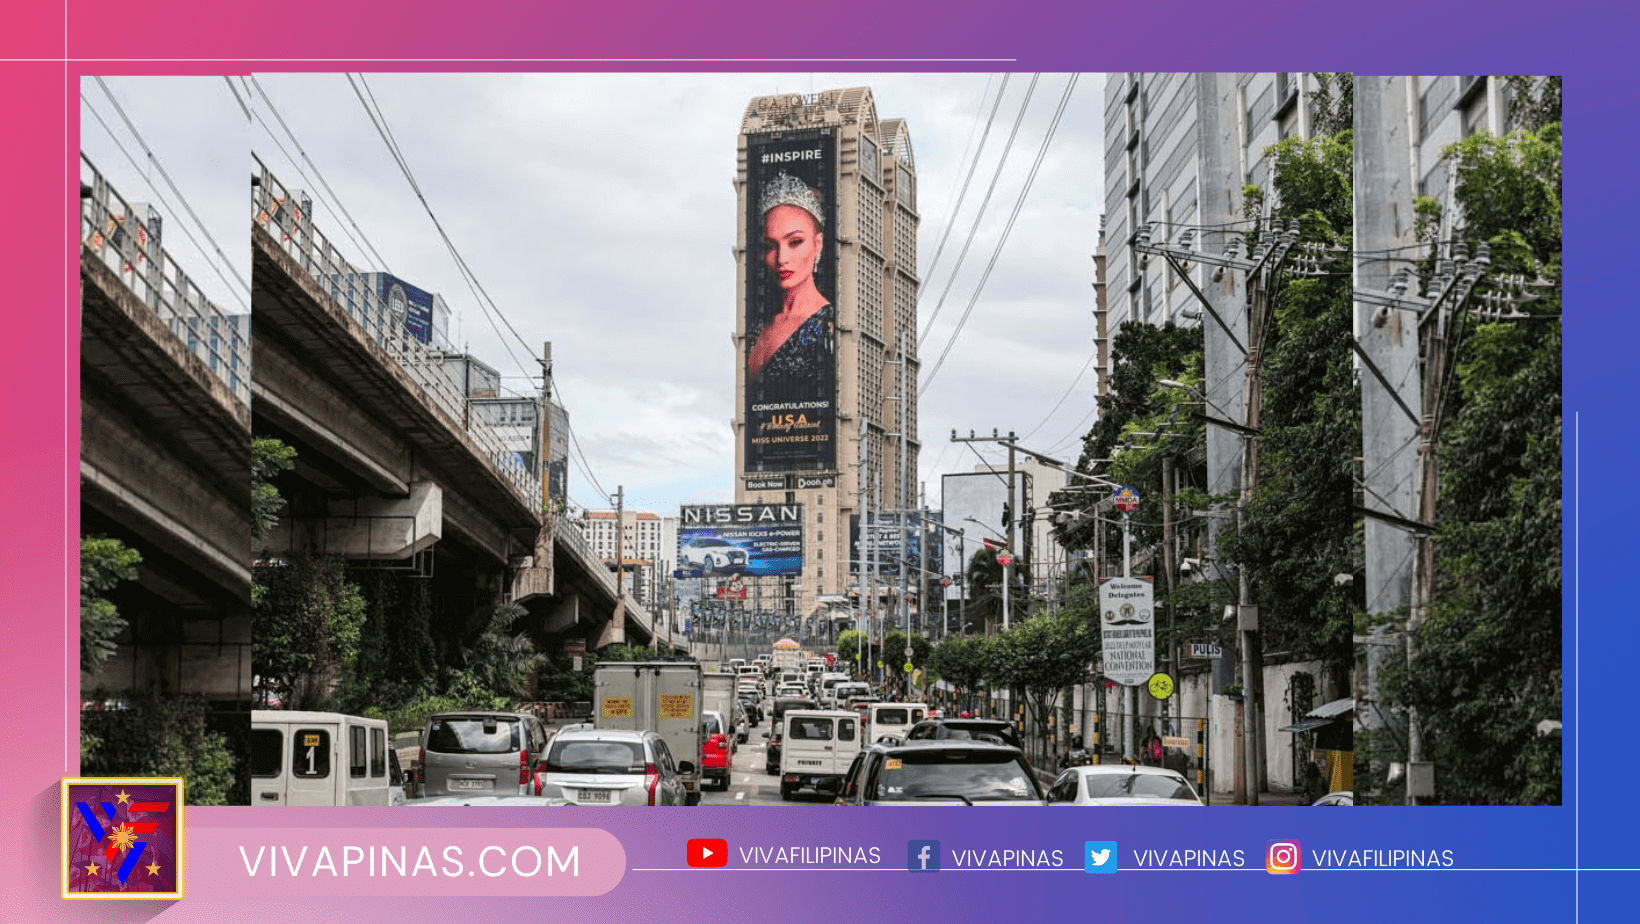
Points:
[(92, 869), (153, 868), (124, 797)]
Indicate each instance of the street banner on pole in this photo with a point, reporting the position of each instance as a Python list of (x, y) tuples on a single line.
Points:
[(1127, 628)]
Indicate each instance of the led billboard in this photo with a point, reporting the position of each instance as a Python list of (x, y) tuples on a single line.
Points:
[(753, 539), (791, 314)]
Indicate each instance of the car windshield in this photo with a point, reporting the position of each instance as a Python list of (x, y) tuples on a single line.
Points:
[(810, 729), (990, 732), (468, 736), (1137, 786), (596, 757), (996, 776)]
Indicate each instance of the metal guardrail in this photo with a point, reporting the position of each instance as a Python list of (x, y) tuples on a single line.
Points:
[(567, 533), (128, 244), (290, 223)]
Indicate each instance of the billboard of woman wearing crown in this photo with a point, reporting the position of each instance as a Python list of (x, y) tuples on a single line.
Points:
[(791, 321)]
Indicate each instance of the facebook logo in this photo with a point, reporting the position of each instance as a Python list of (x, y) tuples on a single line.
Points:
[(922, 856)]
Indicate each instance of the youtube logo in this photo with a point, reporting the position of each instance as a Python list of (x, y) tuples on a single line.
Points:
[(708, 851)]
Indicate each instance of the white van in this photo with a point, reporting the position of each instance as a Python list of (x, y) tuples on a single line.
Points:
[(892, 719), (828, 680), (841, 691), (319, 758), (817, 750)]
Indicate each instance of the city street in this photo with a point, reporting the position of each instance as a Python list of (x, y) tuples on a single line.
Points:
[(749, 785)]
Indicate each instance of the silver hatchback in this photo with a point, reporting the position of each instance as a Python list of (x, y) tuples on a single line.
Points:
[(612, 767)]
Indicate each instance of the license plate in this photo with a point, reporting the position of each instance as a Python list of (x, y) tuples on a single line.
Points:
[(592, 795), (470, 784)]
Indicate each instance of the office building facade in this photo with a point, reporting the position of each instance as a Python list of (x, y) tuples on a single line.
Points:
[(799, 438)]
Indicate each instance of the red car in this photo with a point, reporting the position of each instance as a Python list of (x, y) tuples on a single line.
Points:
[(716, 752)]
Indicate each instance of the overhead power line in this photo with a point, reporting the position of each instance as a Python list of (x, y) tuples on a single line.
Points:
[(973, 165), (980, 215), (221, 259), (487, 306), (1019, 204), (367, 251)]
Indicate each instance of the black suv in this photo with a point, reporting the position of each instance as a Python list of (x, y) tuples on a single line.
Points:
[(994, 731), (969, 772), (771, 760), (784, 703)]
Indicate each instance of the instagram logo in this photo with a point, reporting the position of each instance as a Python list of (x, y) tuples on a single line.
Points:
[(1283, 857)]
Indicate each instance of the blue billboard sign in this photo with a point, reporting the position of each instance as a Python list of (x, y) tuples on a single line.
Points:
[(752, 539), (406, 301)]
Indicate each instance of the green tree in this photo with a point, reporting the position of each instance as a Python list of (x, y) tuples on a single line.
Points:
[(985, 578), (1039, 658), (1300, 530), (894, 645), (501, 661), (398, 657), (1142, 356), (305, 623), (850, 644), (962, 662), (104, 563), (162, 736), (1498, 555), (269, 457), (1333, 102)]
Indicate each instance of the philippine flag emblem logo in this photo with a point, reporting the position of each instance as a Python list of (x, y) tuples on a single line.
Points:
[(122, 838)]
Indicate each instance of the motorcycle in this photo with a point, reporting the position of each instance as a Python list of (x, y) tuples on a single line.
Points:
[(1076, 756)]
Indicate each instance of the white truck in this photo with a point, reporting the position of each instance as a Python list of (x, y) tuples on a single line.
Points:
[(818, 748), (788, 660), (892, 719), (719, 695), (665, 697)]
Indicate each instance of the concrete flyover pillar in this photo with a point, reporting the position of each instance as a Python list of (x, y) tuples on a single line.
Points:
[(382, 528)]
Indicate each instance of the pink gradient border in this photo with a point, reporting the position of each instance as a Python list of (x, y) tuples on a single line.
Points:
[(43, 47)]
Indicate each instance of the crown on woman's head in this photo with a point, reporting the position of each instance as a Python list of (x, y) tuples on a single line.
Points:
[(786, 189)]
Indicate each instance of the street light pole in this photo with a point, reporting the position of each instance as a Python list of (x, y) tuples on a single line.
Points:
[(1013, 517)]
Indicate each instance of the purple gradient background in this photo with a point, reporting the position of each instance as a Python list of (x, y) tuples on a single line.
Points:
[(45, 50)]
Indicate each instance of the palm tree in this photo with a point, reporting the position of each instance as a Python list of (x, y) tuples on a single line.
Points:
[(985, 589)]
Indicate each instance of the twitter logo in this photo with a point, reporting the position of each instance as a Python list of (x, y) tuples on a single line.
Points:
[(1099, 856)]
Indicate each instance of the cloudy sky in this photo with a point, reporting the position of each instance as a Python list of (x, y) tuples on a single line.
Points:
[(598, 213)]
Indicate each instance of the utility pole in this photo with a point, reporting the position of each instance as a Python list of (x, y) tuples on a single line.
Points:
[(922, 573), (902, 498), (1272, 248), (620, 567), (860, 566), (1171, 650), (1013, 517)]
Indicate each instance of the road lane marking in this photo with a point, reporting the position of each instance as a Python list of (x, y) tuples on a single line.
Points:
[(740, 796)]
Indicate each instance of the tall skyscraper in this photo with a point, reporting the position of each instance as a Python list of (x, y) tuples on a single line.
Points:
[(826, 320)]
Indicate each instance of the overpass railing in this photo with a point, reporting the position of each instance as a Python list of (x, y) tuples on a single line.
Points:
[(289, 220), (567, 533), (128, 243)]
